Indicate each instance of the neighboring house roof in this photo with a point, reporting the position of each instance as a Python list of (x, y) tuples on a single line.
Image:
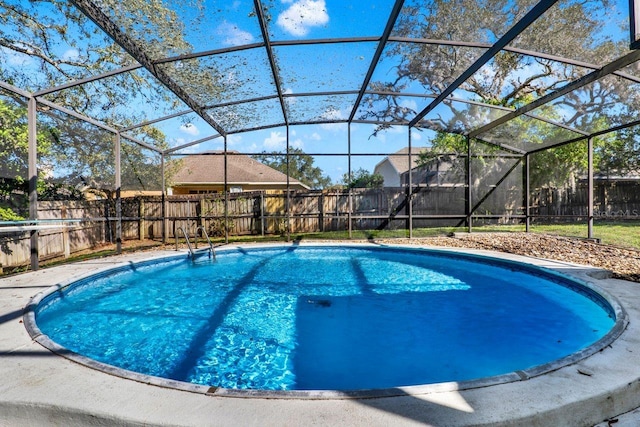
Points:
[(400, 159), (208, 168)]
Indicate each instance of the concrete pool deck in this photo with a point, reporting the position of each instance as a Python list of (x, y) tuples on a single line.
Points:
[(39, 387)]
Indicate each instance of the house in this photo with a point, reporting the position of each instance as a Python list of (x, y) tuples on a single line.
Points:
[(394, 165), (395, 169), (204, 173)]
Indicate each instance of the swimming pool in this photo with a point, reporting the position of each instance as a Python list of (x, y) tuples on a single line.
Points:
[(325, 318)]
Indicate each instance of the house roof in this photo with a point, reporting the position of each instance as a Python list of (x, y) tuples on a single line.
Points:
[(400, 159), (208, 168)]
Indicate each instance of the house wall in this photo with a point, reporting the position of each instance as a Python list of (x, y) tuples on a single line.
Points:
[(219, 188), (389, 173)]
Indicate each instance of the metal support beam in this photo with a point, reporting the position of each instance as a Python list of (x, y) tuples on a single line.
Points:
[(468, 206), (527, 192), (272, 62), (287, 200), (78, 116), (189, 144), (349, 182), (594, 134), (397, 7), (88, 80), (540, 8), (410, 187), (95, 123), (590, 188), (159, 119), (519, 51), (226, 193), (576, 84), (32, 130), (95, 13), (117, 150), (15, 89), (164, 197)]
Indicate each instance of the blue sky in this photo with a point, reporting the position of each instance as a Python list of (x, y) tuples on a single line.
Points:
[(219, 25), (296, 20), (309, 19)]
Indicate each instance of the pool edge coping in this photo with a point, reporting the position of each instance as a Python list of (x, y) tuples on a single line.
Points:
[(621, 323)]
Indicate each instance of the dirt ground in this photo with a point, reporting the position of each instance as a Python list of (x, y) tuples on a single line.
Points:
[(624, 263)]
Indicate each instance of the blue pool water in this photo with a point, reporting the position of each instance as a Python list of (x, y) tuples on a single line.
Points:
[(299, 318)]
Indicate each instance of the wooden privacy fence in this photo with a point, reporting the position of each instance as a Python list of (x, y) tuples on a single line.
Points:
[(258, 213), (611, 200)]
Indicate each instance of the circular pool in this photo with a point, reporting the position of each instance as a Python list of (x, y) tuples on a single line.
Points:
[(349, 318)]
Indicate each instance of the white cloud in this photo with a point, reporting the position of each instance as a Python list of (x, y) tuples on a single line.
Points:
[(297, 144), (233, 36), (190, 129), (15, 58), (302, 15), (276, 141), (410, 104), (396, 129), (71, 55), (178, 142), (315, 136), (290, 100), (234, 139), (334, 114)]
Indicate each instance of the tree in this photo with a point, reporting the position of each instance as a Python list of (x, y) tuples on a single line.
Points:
[(14, 141), (618, 154), (511, 79), (50, 42), (14, 160), (362, 178), (301, 167), (553, 167), (88, 156)]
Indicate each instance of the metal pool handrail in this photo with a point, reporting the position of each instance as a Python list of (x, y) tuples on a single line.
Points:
[(194, 251)]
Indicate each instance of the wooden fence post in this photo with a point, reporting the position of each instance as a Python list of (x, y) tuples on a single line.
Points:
[(262, 209), (321, 212), (141, 221), (65, 233)]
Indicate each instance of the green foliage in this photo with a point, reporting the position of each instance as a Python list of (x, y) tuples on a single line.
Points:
[(33, 31), (619, 153), (362, 178), (14, 140), (513, 80), (444, 146), (219, 227), (301, 167), (7, 214)]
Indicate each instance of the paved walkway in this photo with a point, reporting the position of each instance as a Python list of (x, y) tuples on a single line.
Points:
[(41, 388)]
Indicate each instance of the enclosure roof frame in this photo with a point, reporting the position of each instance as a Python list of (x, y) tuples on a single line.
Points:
[(137, 51)]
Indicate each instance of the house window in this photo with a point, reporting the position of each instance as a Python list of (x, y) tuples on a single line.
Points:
[(235, 189)]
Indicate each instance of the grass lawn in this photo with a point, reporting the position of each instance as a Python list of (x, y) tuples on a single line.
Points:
[(618, 233)]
